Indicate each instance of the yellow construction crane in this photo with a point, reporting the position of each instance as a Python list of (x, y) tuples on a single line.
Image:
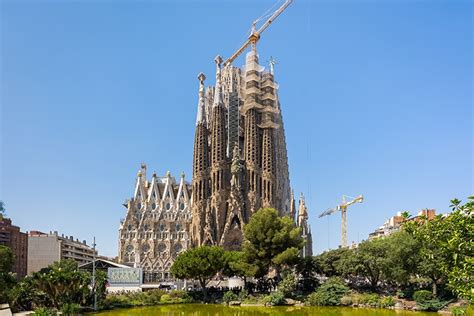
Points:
[(255, 34), (343, 208)]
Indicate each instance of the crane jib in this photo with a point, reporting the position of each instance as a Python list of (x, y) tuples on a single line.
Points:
[(255, 36)]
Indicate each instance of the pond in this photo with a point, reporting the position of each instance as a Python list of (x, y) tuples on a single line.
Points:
[(221, 310)]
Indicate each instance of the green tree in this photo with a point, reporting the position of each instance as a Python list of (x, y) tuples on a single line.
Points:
[(336, 262), (403, 258), (306, 270), (236, 264), (372, 260), (271, 241), (63, 283), (447, 247), (2, 209), (200, 263), (6, 278), (6, 259)]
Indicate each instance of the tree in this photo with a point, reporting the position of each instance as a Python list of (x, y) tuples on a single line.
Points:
[(446, 248), (63, 283), (236, 264), (403, 257), (306, 269), (372, 261), (6, 277), (2, 209), (6, 259), (334, 262), (200, 263), (271, 241)]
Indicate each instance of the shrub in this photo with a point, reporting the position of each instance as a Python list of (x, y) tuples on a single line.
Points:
[(288, 285), (165, 298), (400, 294), (422, 296), (229, 296), (152, 297), (44, 311), (275, 298), (71, 309), (433, 305), (250, 299), (459, 310), (346, 301), (387, 301), (329, 294), (243, 295), (370, 299)]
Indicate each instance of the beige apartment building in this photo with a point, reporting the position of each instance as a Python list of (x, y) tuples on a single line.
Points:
[(45, 249)]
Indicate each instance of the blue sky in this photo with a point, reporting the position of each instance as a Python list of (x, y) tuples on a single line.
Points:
[(376, 98)]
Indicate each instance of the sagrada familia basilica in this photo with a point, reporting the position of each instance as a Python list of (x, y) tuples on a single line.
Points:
[(240, 165)]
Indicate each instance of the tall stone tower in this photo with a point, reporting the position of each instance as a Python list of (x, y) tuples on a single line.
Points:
[(302, 222), (240, 160)]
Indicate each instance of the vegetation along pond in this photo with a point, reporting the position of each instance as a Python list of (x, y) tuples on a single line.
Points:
[(222, 310)]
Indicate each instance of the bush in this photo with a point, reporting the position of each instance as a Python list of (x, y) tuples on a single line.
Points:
[(433, 305), (165, 298), (370, 299), (387, 301), (44, 311), (459, 311), (288, 285), (152, 297), (346, 301), (229, 296), (275, 298), (71, 309), (243, 295), (400, 294), (422, 296), (328, 294)]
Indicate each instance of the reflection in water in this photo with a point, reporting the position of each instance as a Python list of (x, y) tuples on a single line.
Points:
[(221, 310)]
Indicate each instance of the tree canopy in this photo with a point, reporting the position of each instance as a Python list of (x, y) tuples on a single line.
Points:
[(271, 241), (200, 263)]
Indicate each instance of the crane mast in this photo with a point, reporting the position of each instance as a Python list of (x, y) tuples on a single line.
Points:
[(343, 208), (255, 34)]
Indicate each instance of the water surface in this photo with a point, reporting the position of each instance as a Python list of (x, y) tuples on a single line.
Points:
[(221, 310)]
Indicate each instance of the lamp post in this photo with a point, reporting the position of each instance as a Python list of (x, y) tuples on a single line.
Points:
[(93, 276)]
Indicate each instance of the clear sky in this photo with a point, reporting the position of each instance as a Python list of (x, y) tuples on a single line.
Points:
[(376, 98)]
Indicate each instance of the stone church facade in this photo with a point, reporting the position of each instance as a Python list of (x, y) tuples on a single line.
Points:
[(156, 227)]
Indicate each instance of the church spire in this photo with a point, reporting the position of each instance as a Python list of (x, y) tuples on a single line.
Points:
[(201, 114), (218, 89), (302, 211)]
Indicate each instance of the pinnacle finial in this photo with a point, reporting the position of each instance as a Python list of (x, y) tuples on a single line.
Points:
[(182, 175), (201, 115), (168, 174), (201, 78), (218, 60), (272, 63)]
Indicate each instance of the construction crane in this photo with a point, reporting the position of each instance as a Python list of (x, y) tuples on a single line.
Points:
[(255, 34), (343, 208)]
